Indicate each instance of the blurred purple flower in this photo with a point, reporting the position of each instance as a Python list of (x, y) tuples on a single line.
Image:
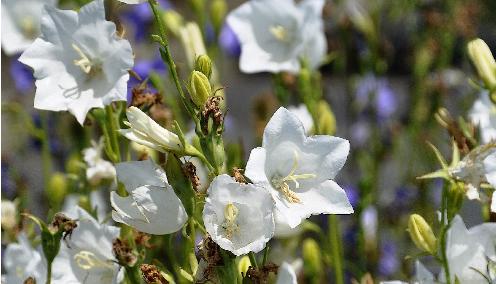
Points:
[(143, 68), (360, 133), (140, 17), (369, 88), (229, 42), (388, 263), (352, 193), (385, 100), (22, 75), (8, 185)]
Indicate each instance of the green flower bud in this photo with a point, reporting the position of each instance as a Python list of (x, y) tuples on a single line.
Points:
[(421, 234), (483, 60), (243, 265), (218, 10), (326, 122), (173, 21), (199, 88), (57, 189), (73, 164), (312, 259), (204, 65)]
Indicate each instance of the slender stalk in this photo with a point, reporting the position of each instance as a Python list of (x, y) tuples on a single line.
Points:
[(446, 224), (49, 273), (265, 255), (253, 259), (112, 132), (337, 256), (165, 45), (46, 157), (133, 275)]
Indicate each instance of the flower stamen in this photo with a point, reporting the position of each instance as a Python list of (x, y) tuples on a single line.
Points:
[(230, 215), (87, 260), (279, 32), (281, 183), (88, 66)]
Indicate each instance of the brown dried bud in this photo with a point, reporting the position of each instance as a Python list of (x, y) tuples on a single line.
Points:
[(189, 171), (152, 275), (142, 239), (261, 275), (62, 222), (212, 109), (124, 253), (30, 280), (238, 176)]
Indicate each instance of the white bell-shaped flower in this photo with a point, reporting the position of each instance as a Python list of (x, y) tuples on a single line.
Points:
[(477, 167), (98, 168), (471, 252), (275, 35), (298, 170), (21, 23), (88, 257), (79, 61), (152, 206), (145, 131), (21, 261), (238, 217), (483, 113)]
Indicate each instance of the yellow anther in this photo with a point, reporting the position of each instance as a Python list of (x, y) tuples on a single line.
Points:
[(230, 215), (87, 260), (279, 32), (28, 27), (84, 63), (281, 183)]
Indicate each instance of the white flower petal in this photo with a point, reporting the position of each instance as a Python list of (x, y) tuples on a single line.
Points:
[(138, 173), (150, 209), (327, 198), (286, 274), (254, 221)]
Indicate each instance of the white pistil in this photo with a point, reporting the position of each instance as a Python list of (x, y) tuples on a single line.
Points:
[(230, 215), (281, 183), (87, 260), (279, 32)]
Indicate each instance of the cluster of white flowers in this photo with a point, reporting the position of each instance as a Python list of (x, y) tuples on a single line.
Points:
[(98, 168), (86, 258)]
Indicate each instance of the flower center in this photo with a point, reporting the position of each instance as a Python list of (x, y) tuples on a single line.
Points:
[(90, 67), (280, 33), (281, 183), (28, 27), (230, 215), (87, 260)]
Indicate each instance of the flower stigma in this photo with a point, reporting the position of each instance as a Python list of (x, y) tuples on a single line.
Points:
[(279, 32), (281, 183), (230, 215)]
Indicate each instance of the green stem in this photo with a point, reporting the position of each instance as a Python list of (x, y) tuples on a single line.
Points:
[(253, 259), (112, 132), (165, 45), (337, 259), (133, 275), (46, 157), (49, 273), (265, 255), (446, 224)]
